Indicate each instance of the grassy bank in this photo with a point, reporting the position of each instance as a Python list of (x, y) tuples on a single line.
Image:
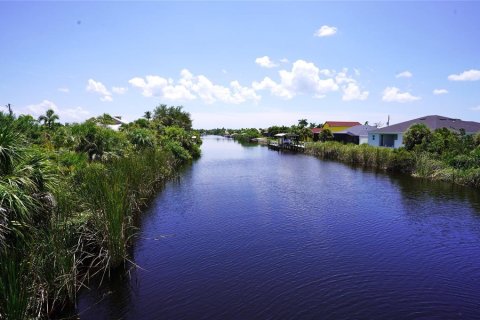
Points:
[(69, 195), (417, 163)]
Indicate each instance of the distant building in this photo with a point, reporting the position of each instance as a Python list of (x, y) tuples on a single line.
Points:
[(392, 136), (118, 122), (316, 133), (336, 126), (356, 134)]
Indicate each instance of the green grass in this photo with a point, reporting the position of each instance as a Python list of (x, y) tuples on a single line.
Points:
[(419, 164)]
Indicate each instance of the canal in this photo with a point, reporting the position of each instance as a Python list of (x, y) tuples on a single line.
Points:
[(250, 233)]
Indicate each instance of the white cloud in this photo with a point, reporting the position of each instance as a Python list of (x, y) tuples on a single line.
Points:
[(190, 87), (64, 90), (392, 94), (440, 91), (325, 31), (98, 87), (469, 75), (352, 92), (65, 114), (404, 74), (224, 71), (265, 62), (119, 90), (477, 108), (306, 78), (284, 60)]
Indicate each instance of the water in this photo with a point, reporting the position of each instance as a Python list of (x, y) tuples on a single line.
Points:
[(249, 233)]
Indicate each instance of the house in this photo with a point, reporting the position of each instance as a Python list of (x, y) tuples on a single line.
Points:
[(392, 136), (316, 133), (116, 123), (336, 126), (286, 138), (356, 134)]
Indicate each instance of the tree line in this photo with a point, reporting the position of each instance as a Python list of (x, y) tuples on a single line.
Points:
[(69, 194)]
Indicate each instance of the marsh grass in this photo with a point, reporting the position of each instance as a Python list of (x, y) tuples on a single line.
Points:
[(14, 289), (417, 163)]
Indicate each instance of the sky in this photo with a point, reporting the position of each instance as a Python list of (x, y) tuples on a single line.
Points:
[(242, 64)]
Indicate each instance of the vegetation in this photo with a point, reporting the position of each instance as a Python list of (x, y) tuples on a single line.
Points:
[(69, 195), (443, 155), (303, 131)]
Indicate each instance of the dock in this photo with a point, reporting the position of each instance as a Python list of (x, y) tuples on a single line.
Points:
[(296, 147)]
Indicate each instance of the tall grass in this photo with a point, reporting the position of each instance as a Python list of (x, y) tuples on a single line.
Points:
[(418, 164), (365, 155), (14, 292), (115, 192)]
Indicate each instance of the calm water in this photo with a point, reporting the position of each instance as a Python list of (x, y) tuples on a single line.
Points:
[(249, 233)]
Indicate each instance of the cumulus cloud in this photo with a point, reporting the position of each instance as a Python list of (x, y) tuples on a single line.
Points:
[(99, 88), (284, 60), (469, 75), (119, 90), (325, 31), (190, 87), (64, 90), (265, 62), (404, 74), (352, 92), (65, 114), (306, 78), (393, 94), (440, 91)]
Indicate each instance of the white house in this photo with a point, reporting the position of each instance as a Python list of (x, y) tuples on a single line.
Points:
[(356, 134), (392, 136)]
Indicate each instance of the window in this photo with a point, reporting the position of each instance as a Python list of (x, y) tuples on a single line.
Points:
[(373, 137)]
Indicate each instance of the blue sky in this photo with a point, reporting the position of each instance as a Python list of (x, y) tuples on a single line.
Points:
[(243, 64)]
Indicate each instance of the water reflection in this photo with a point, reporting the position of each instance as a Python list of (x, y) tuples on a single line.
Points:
[(249, 233)]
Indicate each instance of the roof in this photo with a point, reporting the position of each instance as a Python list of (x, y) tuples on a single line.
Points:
[(432, 122), (342, 123), (118, 120), (286, 135), (360, 130), (316, 130)]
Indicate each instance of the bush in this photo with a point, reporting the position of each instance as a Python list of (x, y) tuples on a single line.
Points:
[(402, 161), (417, 137)]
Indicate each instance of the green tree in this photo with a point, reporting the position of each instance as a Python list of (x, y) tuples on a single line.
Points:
[(172, 116), (302, 123), (148, 115), (49, 119), (418, 136), (325, 135)]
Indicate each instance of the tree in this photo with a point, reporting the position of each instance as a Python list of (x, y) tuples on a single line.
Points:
[(48, 119), (325, 135), (172, 116), (148, 115), (10, 111), (302, 123), (418, 136)]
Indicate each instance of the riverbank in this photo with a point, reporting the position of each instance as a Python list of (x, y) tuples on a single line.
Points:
[(415, 163), (69, 198), (250, 233)]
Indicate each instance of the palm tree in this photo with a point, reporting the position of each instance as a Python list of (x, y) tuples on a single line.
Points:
[(148, 115), (48, 119)]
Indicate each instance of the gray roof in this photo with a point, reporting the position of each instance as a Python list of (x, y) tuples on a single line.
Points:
[(433, 122), (360, 130)]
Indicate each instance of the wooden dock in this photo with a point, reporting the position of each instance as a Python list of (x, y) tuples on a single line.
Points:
[(290, 147)]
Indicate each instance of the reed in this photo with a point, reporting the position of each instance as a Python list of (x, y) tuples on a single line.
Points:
[(417, 163)]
